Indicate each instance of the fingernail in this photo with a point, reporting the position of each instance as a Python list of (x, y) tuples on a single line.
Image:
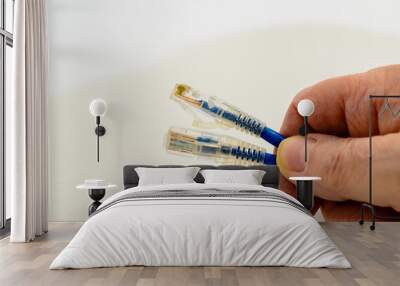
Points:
[(290, 155)]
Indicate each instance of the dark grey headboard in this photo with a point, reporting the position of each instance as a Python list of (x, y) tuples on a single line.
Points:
[(271, 178)]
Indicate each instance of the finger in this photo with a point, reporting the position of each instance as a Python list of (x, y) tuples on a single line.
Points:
[(383, 81), (342, 105), (343, 165), (329, 98)]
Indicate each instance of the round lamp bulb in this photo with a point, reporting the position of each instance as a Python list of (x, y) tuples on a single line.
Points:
[(305, 107), (98, 107)]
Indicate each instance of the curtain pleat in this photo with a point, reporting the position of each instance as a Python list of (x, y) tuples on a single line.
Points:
[(29, 191)]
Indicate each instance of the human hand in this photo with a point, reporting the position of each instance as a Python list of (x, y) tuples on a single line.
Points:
[(338, 150)]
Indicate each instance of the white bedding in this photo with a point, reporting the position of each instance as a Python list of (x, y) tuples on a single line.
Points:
[(200, 231)]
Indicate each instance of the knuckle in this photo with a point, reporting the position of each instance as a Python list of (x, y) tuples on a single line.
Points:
[(302, 94)]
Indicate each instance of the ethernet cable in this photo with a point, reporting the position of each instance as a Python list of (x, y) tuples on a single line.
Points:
[(223, 148), (224, 113)]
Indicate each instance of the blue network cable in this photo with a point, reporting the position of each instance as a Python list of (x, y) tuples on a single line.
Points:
[(221, 147), (230, 116)]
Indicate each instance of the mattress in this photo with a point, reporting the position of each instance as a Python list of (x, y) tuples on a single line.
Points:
[(201, 225)]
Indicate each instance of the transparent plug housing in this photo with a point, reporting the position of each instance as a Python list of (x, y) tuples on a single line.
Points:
[(223, 148), (224, 113)]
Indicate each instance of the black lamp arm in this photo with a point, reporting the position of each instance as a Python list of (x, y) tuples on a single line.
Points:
[(99, 131), (305, 137), (98, 136)]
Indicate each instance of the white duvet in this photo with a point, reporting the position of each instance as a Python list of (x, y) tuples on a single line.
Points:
[(200, 231)]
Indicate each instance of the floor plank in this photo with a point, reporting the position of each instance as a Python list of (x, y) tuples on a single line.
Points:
[(375, 257)]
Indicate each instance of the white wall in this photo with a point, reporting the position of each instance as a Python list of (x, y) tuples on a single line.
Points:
[(255, 54)]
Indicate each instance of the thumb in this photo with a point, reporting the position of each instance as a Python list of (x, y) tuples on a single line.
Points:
[(342, 163)]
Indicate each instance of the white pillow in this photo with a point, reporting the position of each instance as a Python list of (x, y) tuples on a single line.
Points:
[(165, 176), (248, 177)]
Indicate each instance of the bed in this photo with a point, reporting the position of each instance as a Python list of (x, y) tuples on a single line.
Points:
[(199, 224)]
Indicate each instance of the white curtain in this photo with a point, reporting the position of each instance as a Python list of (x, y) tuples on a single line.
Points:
[(28, 122)]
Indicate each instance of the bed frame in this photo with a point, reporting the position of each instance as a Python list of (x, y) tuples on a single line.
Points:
[(270, 179)]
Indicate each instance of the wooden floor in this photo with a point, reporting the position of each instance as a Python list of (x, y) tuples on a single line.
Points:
[(375, 257)]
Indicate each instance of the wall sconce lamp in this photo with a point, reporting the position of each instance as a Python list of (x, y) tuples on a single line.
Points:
[(305, 108), (304, 185), (98, 108)]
